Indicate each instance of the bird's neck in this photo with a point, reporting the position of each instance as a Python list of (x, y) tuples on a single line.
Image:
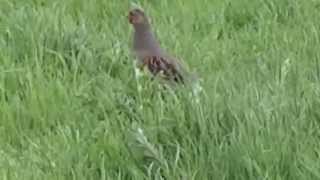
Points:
[(144, 39)]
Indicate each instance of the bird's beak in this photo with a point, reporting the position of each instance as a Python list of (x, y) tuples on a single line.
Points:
[(130, 17)]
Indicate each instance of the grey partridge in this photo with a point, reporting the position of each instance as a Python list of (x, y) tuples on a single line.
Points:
[(149, 53)]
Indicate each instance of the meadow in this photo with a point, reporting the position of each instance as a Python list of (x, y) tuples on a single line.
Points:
[(72, 107)]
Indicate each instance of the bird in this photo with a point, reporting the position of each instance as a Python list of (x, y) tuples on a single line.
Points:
[(149, 54)]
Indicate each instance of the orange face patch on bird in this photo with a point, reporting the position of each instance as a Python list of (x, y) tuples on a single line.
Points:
[(136, 16)]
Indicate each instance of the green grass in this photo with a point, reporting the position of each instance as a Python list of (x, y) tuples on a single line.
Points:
[(72, 108)]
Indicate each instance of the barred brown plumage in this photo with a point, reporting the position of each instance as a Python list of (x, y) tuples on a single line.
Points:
[(158, 65)]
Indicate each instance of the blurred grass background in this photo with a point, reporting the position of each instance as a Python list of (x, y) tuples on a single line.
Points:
[(71, 107)]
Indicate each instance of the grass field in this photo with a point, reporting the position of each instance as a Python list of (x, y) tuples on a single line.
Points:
[(71, 106)]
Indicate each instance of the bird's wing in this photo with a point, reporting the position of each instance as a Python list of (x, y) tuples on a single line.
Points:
[(164, 67)]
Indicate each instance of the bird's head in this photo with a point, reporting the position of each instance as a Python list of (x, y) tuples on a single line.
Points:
[(137, 17)]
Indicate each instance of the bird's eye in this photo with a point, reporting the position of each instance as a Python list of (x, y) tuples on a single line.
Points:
[(131, 13)]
